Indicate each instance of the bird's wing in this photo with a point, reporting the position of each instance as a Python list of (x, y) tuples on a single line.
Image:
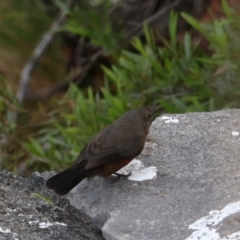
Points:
[(112, 144), (98, 155), (100, 152)]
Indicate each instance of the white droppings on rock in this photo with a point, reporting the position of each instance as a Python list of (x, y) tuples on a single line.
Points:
[(144, 174), (138, 171), (234, 236), (170, 119), (235, 133), (204, 227), (204, 233)]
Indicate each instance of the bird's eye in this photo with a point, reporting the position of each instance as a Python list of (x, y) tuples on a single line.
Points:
[(149, 115)]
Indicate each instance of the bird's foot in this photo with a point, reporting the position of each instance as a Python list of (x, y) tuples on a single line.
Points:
[(122, 175)]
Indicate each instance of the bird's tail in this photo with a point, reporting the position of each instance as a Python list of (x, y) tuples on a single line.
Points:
[(63, 182)]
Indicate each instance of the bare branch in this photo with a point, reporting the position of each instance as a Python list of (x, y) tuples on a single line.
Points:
[(38, 52), (65, 83), (138, 29), (163, 11)]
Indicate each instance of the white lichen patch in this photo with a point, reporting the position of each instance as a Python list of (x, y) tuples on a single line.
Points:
[(49, 224), (62, 224), (5, 230), (138, 171), (235, 133), (168, 119), (33, 222), (15, 236), (206, 227), (8, 231), (28, 216), (45, 224)]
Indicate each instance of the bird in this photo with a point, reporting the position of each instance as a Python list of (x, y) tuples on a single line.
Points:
[(108, 151)]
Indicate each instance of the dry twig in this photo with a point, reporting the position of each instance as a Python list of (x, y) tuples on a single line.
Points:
[(38, 52)]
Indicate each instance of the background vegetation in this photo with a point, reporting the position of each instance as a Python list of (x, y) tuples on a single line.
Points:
[(179, 75)]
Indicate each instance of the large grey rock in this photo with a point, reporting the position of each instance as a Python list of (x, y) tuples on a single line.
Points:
[(197, 156), (195, 196), (26, 213)]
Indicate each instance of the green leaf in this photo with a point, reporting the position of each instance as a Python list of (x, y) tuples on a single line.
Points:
[(168, 107), (37, 148), (61, 5), (173, 30)]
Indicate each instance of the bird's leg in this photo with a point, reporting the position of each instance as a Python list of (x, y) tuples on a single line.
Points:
[(122, 175)]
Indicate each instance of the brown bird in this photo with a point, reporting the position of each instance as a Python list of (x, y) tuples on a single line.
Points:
[(108, 151)]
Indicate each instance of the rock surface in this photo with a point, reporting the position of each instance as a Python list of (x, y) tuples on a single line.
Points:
[(26, 212), (197, 156), (194, 196)]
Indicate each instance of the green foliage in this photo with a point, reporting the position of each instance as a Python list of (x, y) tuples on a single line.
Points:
[(92, 20), (38, 196), (8, 107), (223, 36), (77, 119), (20, 24), (172, 75), (178, 75)]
